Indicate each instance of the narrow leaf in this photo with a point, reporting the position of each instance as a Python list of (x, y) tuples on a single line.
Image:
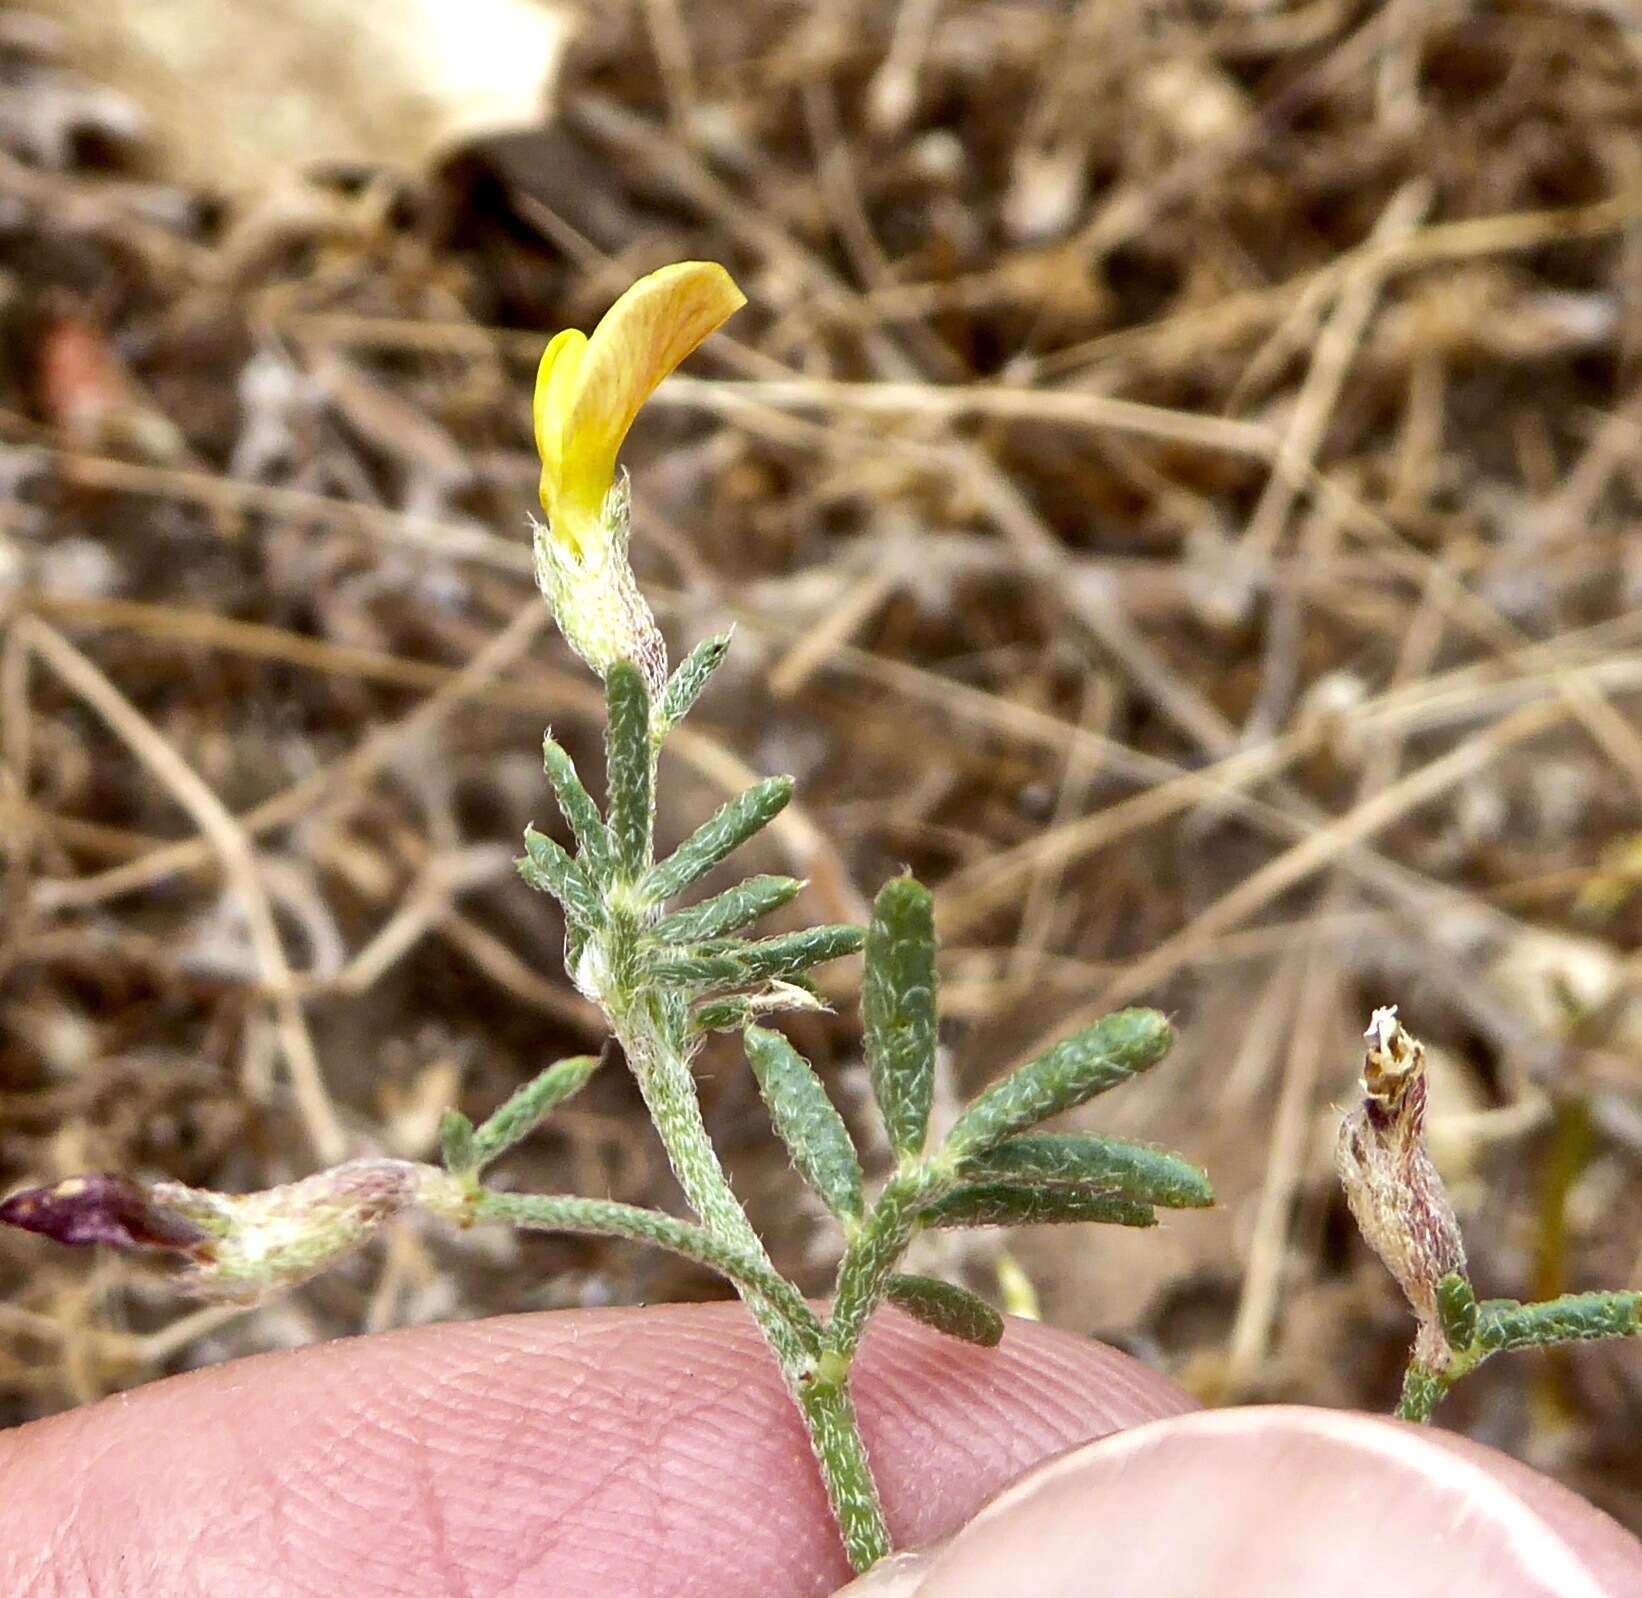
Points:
[(749, 1270), (806, 1121), (1102, 1056), (1013, 1204), (456, 1143), (786, 958), (1115, 1165), (699, 967), (720, 835), (685, 685), (546, 866), (1574, 1318), (523, 1112), (898, 1010), (729, 911), (586, 824), (1457, 1311), (734, 963), (630, 769), (948, 1309)]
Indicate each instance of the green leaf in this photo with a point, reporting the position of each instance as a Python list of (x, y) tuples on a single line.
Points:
[(523, 1112), (787, 957), (1102, 1056), (546, 866), (733, 963), (898, 1010), (586, 824), (1014, 1204), (630, 769), (729, 911), (456, 1144), (685, 685), (721, 1015), (1573, 1318), (748, 1269), (1457, 1311), (1114, 1165), (720, 835), (948, 1309), (806, 1121), (708, 967)]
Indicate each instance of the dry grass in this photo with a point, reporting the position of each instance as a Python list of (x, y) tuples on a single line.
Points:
[(1177, 483)]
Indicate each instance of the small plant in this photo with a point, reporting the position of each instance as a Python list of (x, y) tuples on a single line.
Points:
[(1402, 1209), (665, 976)]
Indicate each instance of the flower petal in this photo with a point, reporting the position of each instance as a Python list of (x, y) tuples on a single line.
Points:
[(556, 377), (659, 321)]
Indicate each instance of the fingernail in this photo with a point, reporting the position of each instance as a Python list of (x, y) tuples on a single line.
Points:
[(899, 1576)]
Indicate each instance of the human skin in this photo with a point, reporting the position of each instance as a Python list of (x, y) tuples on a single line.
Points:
[(653, 1452)]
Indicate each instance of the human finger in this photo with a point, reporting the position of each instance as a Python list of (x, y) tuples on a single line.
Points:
[(1278, 1503), (630, 1452)]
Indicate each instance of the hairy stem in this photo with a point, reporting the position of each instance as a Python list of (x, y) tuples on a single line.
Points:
[(873, 1254), (658, 1060), (1423, 1390), (656, 1053), (835, 1435)]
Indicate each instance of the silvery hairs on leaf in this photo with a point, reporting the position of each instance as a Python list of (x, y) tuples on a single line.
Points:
[(1390, 1183)]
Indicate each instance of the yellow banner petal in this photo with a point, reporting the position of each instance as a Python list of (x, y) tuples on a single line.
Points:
[(654, 326)]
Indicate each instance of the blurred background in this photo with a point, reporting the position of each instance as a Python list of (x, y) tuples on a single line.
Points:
[(1177, 486)]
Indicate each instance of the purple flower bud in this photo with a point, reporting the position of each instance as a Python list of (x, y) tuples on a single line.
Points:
[(1393, 1189), (237, 1245), (102, 1209)]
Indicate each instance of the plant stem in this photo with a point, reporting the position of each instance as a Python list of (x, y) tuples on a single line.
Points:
[(655, 1051), (1423, 1390), (835, 1435), (649, 1013), (658, 1061), (874, 1252)]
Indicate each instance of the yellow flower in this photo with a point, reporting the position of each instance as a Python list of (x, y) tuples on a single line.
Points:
[(588, 390)]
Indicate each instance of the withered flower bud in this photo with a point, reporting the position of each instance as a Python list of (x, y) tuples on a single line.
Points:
[(234, 1245), (1391, 1185), (101, 1209)]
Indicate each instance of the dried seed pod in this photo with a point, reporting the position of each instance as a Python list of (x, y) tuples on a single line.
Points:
[(1391, 1184)]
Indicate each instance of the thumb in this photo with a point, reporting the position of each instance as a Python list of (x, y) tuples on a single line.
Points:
[(1278, 1503)]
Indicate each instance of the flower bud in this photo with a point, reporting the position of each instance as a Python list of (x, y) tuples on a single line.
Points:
[(102, 1209), (1392, 1187), (234, 1245)]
